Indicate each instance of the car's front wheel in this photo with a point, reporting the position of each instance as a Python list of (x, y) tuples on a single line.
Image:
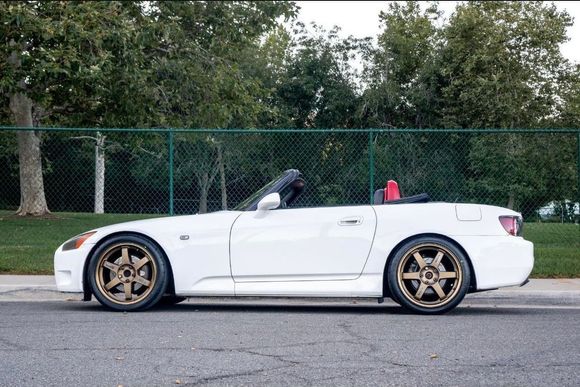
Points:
[(428, 275), (128, 272)]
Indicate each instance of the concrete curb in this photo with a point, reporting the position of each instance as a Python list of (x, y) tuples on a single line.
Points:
[(10, 285)]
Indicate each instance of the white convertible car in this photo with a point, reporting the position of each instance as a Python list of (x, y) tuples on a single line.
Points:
[(424, 255)]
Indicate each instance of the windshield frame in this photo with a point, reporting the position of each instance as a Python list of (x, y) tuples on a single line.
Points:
[(275, 185)]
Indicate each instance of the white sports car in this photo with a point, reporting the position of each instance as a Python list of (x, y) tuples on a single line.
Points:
[(424, 255)]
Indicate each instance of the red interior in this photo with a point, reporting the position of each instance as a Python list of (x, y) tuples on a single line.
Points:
[(392, 191)]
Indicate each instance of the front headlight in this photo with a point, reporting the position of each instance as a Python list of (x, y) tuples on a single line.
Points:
[(77, 241)]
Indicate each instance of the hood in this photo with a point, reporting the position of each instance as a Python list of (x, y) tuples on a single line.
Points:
[(156, 227)]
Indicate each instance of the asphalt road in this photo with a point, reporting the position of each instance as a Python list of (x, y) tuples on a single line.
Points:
[(288, 343)]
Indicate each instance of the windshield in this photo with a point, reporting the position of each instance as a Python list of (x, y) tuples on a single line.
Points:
[(243, 205)]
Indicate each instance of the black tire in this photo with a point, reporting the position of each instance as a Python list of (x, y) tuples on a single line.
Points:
[(434, 281), (128, 265), (394, 298)]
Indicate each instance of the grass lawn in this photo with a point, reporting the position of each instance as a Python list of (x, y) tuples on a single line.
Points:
[(556, 249), (27, 245)]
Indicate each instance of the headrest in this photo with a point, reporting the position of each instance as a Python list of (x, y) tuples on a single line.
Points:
[(379, 197), (392, 191)]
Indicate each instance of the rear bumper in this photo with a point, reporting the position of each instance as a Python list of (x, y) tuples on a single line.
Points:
[(69, 266), (499, 261)]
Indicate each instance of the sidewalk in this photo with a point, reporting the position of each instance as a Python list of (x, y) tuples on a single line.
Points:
[(24, 287), (32, 288), (16, 282), (559, 290)]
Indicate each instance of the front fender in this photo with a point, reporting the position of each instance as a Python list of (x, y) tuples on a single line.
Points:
[(197, 247)]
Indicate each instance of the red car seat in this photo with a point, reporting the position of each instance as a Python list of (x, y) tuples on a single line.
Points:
[(392, 191), (391, 195)]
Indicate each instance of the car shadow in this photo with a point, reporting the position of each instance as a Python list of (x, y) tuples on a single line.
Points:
[(338, 309), (356, 309)]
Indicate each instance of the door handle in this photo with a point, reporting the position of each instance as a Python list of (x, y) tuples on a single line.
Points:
[(351, 221)]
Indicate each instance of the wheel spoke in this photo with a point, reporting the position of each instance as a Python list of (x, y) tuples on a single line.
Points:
[(111, 266), (420, 291), (437, 261), (140, 263), (125, 256), (111, 284), (411, 276), (447, 274), (420, 260), (439, 291), (142, 281), (128, 290)]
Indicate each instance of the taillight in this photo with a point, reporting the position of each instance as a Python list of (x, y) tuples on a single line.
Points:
[(512, 224)]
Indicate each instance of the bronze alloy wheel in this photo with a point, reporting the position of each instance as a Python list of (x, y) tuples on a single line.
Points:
[(126, 273), (429, 275)]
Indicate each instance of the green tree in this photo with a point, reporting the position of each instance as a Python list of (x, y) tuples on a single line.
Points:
[(403, 90), (58, 59), (502, 63), (569, 110), (127, 64), (203, 79), (319, 90), (401, 72), (502, 68)]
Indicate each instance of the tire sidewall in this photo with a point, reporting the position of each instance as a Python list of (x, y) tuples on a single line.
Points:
[(401, 298), (157, 255)]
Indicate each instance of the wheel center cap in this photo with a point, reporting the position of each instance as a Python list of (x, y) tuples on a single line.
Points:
[(126, 273), (429, 275)]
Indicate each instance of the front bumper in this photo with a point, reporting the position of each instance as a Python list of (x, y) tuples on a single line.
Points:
[(525, 282), (69, 268)]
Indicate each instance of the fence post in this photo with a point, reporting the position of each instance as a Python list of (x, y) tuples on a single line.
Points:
[(170, 150), (578, 172), (371, 168)]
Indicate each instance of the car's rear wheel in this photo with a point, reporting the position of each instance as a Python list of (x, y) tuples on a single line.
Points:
[(428, 275), (128, 272)]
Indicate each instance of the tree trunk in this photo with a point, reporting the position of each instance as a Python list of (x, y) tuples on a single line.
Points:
[(100, 174), (220, 160), (32, 198), (205, 180), (511, 201), (203, 188)]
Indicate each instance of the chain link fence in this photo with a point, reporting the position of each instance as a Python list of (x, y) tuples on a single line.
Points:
[(535, 172)]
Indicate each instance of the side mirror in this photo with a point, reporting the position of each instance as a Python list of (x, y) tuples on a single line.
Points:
[(269, 202)]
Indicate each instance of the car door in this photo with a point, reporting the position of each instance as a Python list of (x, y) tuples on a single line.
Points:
[(329, 243)]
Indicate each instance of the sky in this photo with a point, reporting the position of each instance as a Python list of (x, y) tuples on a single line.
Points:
[(361, 18)]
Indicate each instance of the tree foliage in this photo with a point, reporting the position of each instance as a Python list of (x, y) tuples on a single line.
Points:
[(239, 64)]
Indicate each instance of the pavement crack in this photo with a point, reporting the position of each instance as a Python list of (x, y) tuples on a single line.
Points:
[(372, 350), (251, 351), (234, 375), (14, 346), (285, 364)]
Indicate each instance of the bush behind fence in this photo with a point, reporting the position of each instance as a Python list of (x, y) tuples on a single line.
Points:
[(169, 171)]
